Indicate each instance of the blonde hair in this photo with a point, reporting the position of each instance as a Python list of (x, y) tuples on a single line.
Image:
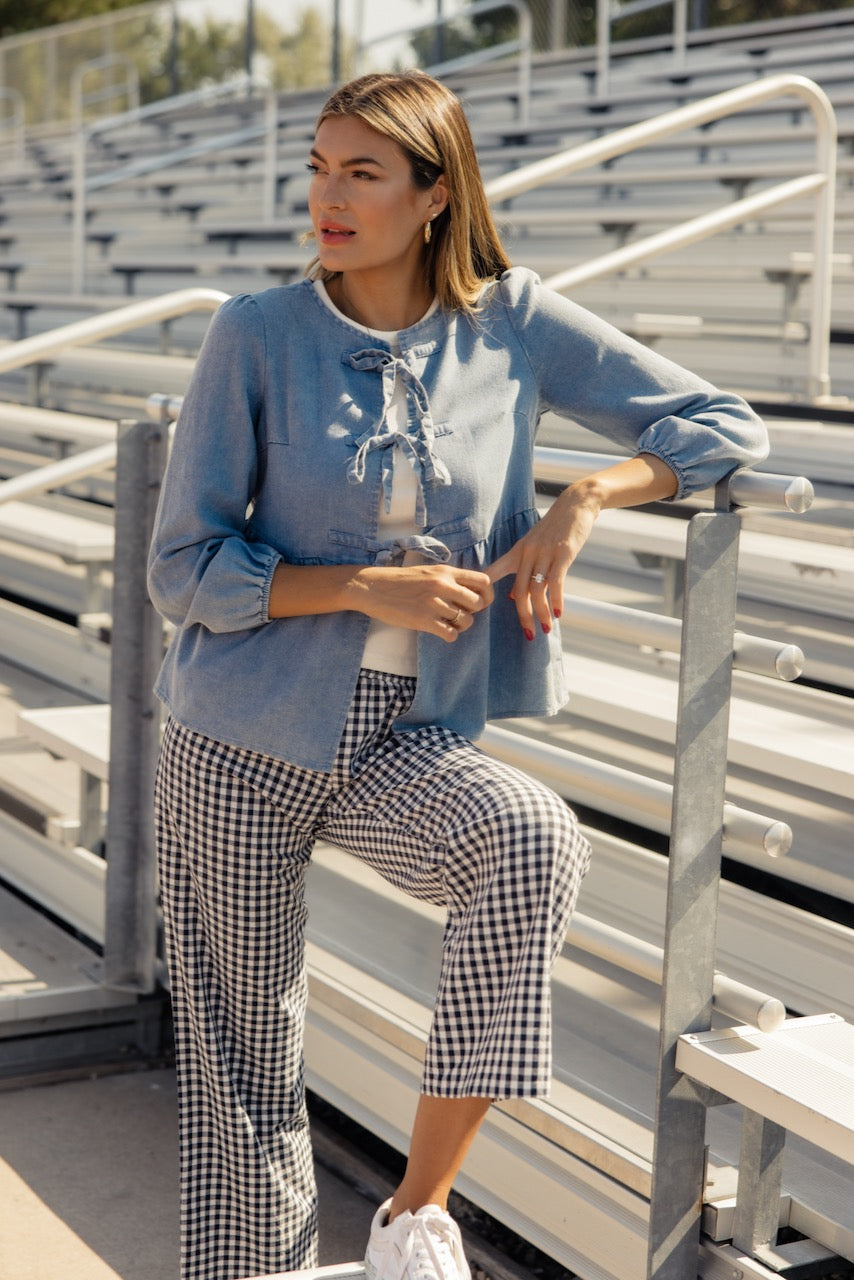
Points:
[(427, 122)]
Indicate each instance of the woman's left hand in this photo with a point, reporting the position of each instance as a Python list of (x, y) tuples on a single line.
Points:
[(540, 560)]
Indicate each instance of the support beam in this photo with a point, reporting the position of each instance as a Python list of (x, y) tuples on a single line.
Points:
[(137, 650), (693, 880), (760, 1182)]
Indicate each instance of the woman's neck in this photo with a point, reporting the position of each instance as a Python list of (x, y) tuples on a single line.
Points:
[(376, 307)]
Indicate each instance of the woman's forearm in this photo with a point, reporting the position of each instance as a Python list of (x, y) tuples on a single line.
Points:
[(438, 598), (629, 483), (297, 590)]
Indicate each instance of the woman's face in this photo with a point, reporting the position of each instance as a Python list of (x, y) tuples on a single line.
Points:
[(367, 213)]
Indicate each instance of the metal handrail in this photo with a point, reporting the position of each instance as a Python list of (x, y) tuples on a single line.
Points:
[(659, 631), (736, 999), (108, 325), (15, 120), (608, 11), (820, 184), (524, 45), (745, 488), (44, 345), (624, 793), (130, 88), (81, 185)]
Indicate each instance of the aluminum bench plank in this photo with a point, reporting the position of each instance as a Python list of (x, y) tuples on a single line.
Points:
[(800, 1076), (43, 970), (24, 422), (81, 734), (818, 575), (72, 537), (803, 748)]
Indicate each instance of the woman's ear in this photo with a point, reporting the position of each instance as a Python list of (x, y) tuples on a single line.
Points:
[(439, 197)]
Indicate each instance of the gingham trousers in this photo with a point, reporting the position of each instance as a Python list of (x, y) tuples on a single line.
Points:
[(435, 816)]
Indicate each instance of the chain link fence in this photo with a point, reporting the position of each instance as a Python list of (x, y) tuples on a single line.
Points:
[(100, 66), (94, 67)]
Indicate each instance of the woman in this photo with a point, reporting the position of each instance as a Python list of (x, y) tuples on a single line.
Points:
[(350, 479)]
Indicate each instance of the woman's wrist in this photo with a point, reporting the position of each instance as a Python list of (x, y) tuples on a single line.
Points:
[(356, 590), (591, 492), (313, 589)]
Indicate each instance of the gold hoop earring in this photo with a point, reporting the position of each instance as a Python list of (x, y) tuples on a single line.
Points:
[(428, 232)]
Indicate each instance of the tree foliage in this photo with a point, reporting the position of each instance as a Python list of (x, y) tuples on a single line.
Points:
[(16, 16), (214, 51), (208, 53), (578, 23), (720, 13), (302, 57)]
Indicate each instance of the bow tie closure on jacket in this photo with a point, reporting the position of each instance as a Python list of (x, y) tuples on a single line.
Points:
[(394, 552), (417, 445)]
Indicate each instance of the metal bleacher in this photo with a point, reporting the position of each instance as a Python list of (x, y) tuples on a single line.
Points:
[(658, 1056)]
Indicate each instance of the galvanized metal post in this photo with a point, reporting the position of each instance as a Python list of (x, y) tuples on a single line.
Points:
[(693, 879), (760, 1182), (78, 223), (336, 41), (137, 646)]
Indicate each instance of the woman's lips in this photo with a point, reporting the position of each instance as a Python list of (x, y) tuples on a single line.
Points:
[(333, 234)]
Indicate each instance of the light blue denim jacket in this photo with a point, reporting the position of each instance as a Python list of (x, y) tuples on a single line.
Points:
[(282, 452)]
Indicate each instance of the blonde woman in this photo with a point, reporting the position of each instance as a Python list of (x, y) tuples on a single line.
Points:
[(349, 548)]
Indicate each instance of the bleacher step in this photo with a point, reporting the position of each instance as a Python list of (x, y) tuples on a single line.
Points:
[(71, 537), (44, 971), (814, 749), (800, 1076), (26, 423)]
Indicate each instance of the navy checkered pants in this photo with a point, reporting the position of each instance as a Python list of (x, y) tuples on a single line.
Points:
[(432, 814)]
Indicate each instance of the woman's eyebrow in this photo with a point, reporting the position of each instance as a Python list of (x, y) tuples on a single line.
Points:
[(348, 163)]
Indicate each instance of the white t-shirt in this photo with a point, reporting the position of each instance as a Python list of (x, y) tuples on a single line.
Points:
[(388, 648)]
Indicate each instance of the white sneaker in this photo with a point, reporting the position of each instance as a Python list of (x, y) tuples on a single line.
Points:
[(417, 1246)]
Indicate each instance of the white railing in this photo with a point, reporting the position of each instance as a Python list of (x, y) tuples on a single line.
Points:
[(820, 184), (81, 185), (126, 87), (634, 955), (44, 345), (608, 11), (14, 120)]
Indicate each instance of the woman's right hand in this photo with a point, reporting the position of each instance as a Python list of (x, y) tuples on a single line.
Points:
[(440, 599)]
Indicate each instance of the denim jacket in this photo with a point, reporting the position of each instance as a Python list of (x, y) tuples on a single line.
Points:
[(282, 452)]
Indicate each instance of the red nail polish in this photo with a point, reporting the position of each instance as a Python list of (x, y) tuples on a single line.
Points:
[(546, 627), (529, 635), (557, 612)]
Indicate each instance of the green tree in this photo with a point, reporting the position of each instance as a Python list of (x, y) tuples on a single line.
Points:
[(302, 57), (16, 17), (465, 35), (209, 53), (213, 52)]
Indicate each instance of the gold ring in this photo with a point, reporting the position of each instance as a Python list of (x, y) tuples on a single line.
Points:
[(453, 622)]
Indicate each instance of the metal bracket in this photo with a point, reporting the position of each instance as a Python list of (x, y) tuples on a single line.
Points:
[(708, 1096)]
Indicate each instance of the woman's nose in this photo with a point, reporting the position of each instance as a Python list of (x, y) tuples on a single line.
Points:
[(331, 196)]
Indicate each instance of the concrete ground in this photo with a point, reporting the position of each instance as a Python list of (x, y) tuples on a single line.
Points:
[(89, 1183)]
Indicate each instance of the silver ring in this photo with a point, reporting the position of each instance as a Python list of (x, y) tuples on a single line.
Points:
[(538, 577)]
